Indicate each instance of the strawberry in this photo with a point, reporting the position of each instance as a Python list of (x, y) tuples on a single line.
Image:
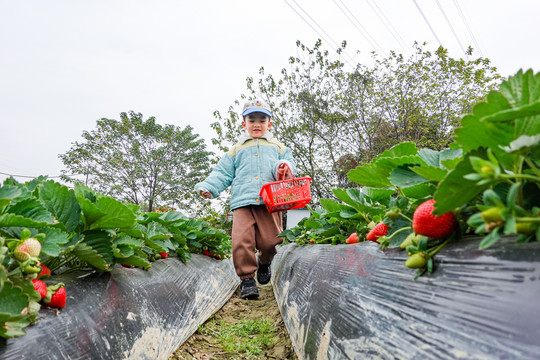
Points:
[(29, 248), (163, 254), (30, 269), (492, 215), (379, 230), (416, 261), (40, 287), (44, 270), (128, 265), (206, 252), (56, 296), (525, 228), (352, 239), (427, 224)]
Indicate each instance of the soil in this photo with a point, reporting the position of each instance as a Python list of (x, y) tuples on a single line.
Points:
[(206, 347)]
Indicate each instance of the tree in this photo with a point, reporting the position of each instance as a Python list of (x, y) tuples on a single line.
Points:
[(335, 119), (140, 161)]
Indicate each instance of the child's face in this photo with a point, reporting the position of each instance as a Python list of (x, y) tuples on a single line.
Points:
[(256, 124)]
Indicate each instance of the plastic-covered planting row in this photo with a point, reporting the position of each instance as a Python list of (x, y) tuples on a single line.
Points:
[(361, 302), (128, 313)]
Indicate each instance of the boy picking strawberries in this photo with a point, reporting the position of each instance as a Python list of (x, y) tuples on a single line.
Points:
[(256, 159)]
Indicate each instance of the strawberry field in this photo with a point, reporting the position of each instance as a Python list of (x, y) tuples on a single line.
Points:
[(426, 240)]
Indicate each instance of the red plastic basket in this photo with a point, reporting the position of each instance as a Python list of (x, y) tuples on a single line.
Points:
[(286, 194)]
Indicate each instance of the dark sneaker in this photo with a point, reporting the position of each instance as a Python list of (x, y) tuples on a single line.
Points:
[(263, 274), (248, 289)]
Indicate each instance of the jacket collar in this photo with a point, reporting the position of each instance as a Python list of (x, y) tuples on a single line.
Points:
[(245, 137)]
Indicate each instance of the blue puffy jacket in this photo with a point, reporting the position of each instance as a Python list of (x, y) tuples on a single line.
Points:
[(248, 165)]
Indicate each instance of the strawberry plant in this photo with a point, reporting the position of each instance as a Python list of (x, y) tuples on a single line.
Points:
[(47, 229), (486, 183)]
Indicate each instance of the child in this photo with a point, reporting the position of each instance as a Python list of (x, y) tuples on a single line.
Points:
[(256, 159)]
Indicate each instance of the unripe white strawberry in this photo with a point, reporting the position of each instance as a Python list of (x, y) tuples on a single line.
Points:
[(29, 247)]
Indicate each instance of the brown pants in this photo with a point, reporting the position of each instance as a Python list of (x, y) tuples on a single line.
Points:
[(254, 228)]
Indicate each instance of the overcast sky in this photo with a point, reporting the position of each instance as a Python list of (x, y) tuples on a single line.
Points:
[(65, 64)]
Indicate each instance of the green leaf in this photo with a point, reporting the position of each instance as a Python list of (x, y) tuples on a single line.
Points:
[(135, 261), (396, 225), (328, 230), (61, 202), (449, 157), (377, 194), (8, 193), (311, 224), (7, 220), (156, 231), (124, 251), (172, 217), (475, 220), (86, 253), (403, 177), (401, 149), (345, 196), (491, 198), (490, 239), (474, 134), (450, 164), (431, 157), (128, 240), (507, 114), (14, 300), (183, 254), (350, 213), (11, 329), (117, 215), (96, 249), (330, 205), (430, 172), (91, 213), (32, 209), (454, 190), (419, 191), (53, 239), (369, 175)]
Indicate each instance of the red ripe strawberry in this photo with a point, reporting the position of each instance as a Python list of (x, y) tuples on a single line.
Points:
[(352, 239), (29, 247), (40, 287), (58, 297), (44, 270), (163, 254), (206, 252), (128, 265), (379, 230), (427, 224)]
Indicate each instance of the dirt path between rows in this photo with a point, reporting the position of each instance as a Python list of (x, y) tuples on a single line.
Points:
[(206, 344)]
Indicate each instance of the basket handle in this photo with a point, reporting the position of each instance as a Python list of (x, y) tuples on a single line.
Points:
[(289, 171)]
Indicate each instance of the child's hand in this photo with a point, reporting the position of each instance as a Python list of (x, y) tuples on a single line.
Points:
[(205, 194), (282, 171)]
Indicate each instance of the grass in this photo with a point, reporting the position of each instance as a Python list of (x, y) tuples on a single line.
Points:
[(249, 337)]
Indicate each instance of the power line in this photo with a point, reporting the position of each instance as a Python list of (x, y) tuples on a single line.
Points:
[(309, 24), (366, 36), (427, 22), (34, 177), (393, 30), (468, 27), (451, 28)]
